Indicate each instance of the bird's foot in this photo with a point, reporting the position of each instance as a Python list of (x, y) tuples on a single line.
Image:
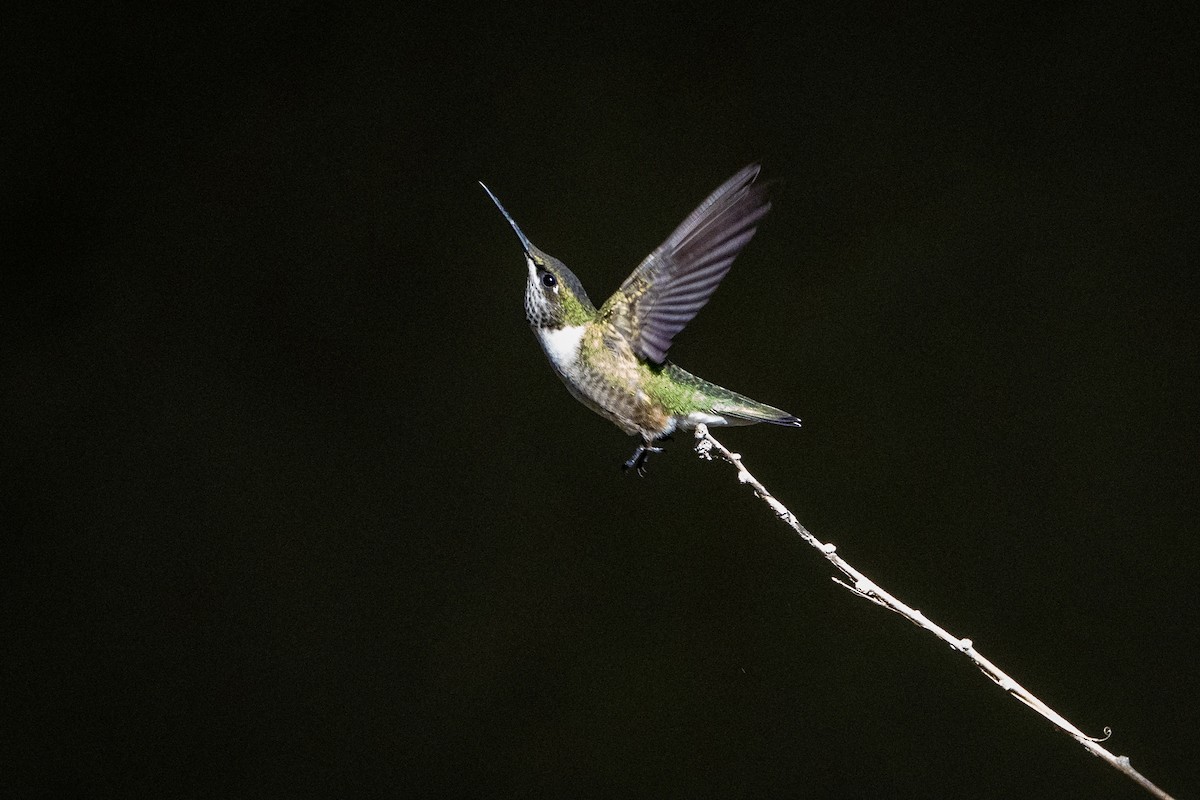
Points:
[(637, 461)]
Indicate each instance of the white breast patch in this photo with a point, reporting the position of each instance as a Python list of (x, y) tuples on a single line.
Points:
[(562, 345)]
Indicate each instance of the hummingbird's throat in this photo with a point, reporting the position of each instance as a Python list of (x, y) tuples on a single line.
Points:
[(537, 310), (543, 308)]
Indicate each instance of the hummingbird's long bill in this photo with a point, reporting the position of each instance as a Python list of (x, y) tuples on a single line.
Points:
[(525, 243)]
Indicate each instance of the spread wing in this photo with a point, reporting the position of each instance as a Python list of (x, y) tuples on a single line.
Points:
[(676, 280)]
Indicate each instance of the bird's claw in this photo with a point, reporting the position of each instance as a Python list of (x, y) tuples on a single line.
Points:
[(637, 461)]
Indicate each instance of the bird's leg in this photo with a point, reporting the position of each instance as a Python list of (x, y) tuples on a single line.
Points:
[(637, 461)]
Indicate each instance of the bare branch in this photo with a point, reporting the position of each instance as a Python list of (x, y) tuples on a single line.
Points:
[(864, 587)]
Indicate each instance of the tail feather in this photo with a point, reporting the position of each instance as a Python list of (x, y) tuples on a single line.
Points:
[(736, 409), (748, 412)]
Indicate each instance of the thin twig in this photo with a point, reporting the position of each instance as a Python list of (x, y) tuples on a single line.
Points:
[(863, 586)]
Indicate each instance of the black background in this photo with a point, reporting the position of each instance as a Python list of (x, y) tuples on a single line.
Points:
[(299, 508)]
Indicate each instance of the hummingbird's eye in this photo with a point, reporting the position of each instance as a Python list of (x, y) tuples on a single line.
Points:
[(548, 280)]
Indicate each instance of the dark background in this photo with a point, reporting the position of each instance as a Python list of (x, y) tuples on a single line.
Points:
[(298, 508)]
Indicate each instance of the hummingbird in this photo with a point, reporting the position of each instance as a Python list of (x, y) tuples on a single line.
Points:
[(614, 359)]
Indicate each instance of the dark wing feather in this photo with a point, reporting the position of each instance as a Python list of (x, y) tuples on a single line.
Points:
[(676, 280)]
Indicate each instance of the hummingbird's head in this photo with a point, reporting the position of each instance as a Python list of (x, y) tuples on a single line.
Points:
[(554, 297)]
